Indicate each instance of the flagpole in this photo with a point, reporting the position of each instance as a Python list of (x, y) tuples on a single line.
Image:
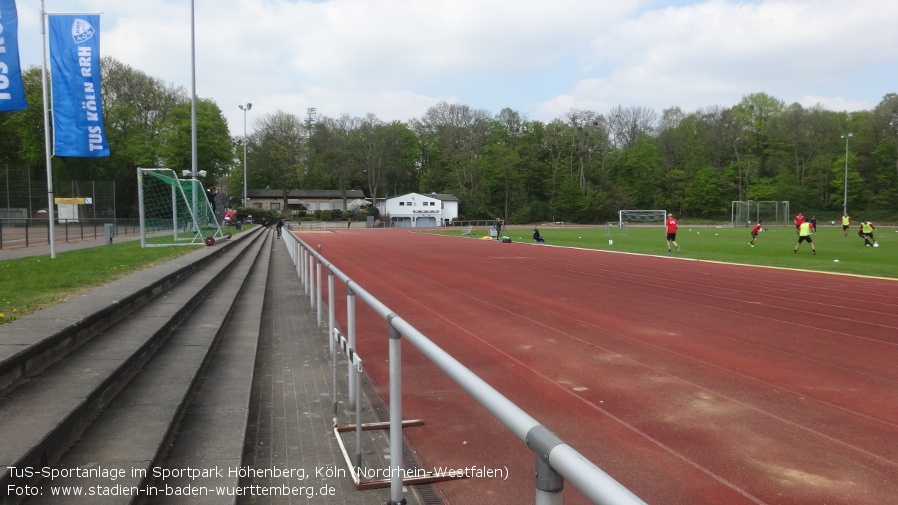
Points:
[(50, 210)]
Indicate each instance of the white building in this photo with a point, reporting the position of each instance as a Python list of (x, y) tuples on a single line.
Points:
[(415, 210)]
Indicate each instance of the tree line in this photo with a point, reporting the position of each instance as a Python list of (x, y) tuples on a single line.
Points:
[(581, 167)]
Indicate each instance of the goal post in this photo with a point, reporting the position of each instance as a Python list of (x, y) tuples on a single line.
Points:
[(617, 228), (174, 211), (642, 216), (772, 212)]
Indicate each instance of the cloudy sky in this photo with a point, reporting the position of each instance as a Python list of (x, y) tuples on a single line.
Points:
[(397, 58)]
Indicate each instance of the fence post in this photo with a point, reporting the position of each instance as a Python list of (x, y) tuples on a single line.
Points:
[(395, 415)]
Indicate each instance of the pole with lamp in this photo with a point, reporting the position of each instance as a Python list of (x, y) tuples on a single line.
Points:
[(244, 108), (845, 197)]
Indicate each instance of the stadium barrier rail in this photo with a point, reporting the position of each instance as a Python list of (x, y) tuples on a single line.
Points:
[(555, 460)]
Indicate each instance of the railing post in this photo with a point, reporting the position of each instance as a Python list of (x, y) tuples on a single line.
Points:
[(331, 319), (297, 260), (305, 270), (395, 415), (301, 266), (549, 483), (318, 286), (350, 330), (313, 280)]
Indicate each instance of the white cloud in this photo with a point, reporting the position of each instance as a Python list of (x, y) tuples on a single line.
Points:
[(396, 58)]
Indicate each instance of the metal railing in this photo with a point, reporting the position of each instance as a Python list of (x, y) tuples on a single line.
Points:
[(555, 460)]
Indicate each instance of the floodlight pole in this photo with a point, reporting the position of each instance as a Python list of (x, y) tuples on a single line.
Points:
[(193, 147), (845, 197), (244, 108)]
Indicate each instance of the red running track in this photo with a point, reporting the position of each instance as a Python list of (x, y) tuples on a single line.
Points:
[(689, 382)]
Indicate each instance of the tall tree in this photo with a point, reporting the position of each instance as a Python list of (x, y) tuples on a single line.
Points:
[(280, 143), (214, 149)]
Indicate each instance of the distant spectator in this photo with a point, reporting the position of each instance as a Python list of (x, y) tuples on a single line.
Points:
[(280, 225), (536, 236), (211, 193)]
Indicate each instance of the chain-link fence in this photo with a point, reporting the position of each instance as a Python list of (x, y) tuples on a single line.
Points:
[(82, 207), (23, 194)]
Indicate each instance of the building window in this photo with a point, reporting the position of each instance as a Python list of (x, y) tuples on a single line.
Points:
[(402, 204), (275, 206), (257, 205)]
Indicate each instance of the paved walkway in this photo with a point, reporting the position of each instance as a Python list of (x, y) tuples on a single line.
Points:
[(292, 402)]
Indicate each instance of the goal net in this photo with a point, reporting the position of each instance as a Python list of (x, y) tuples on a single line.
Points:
[(774, 213), (617, 228), (642, 216), (174, 211)]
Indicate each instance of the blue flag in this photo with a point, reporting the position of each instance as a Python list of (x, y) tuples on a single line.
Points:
[(75, 74), (12, 91)]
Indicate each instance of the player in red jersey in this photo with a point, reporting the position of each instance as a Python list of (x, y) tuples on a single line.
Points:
[(798, 220), (672, 233), (754, 233)]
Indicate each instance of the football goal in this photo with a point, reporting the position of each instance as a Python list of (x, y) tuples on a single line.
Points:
[(617, 228), (773, 213), (174, 211), (650, 217)]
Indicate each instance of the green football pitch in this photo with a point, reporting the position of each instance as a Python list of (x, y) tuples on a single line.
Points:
[(731, 245)]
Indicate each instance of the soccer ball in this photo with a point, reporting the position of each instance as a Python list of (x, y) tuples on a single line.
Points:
[(875, 244)]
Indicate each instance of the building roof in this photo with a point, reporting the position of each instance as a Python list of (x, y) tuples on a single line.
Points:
[(351, 194), (446, 197)]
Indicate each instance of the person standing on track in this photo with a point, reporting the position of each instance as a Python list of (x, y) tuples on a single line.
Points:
[(672, 233), (498, 225), (846, 223), (804, 235), (754, 233)]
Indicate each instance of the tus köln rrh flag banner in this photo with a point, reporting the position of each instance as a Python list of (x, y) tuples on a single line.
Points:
[(75, 75), (12, 91)]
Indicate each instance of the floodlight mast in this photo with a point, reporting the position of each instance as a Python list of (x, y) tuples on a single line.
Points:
[(244, 108)]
